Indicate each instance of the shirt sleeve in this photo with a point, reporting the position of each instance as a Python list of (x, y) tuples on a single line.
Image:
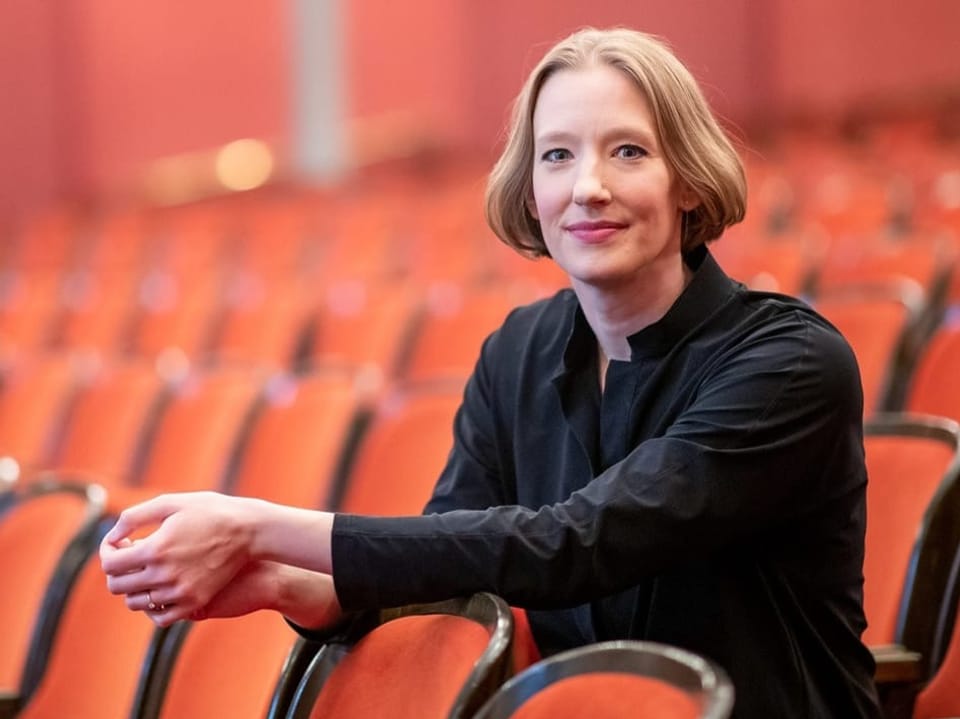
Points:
[(771, 435)]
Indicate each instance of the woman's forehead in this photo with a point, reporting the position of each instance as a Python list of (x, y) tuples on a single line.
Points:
[(600, 93)]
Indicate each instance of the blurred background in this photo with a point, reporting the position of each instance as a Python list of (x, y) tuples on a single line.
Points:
[(181, 175), (98, 94), (242, 248)]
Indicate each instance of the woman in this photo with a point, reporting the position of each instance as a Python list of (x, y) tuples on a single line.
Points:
[(657, 453)]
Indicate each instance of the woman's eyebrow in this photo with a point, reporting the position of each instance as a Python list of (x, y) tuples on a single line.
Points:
[(554, 136), (639, 132)]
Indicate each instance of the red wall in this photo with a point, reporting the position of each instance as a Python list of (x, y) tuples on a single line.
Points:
[(457, 64), (692, 29), (404, 65), (30, 171), (834, 54), (153, 79), (94, 89)]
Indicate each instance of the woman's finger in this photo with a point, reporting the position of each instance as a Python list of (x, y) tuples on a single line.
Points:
[(153, 511)]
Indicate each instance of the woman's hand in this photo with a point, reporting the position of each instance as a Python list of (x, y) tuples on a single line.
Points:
[(199, 543), (254, 587), (306, 598)]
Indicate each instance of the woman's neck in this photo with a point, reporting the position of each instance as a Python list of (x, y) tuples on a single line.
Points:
[(614, 314)]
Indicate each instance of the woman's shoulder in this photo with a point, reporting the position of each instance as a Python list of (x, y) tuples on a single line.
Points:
[(544, 324), (794, 326), (790, 314)]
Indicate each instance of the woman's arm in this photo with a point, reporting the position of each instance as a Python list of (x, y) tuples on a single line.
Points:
[(203, 541), (217, 555), (305, 598), (767, 447), (771, 437)]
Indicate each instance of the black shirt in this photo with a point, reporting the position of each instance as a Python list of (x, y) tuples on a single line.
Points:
[(712, 497)]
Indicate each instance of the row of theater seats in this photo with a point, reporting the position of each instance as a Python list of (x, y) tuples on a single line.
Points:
[(894, 325), (397, 327), (216, 293), (912, 562), (897, 322), (67, 642), (292, 349), (872, 240), (895, 298), (266, 281), (248, 367), (318, 440)]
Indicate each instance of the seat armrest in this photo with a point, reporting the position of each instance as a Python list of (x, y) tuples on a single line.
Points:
[(896, 665), (9, 704), (898, 678)]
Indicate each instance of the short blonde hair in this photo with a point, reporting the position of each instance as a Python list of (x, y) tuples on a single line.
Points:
[(693, 143)]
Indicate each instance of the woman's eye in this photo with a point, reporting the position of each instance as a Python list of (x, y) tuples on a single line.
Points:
[(630, 152), (556, 155)]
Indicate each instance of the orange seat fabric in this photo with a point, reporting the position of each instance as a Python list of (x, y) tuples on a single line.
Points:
[(395, 666), (895, 509), (609, 695), (33, 535), (96, 658), (228, 668), (941, 696)]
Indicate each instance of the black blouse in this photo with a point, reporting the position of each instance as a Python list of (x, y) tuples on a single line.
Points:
[(711, 497)]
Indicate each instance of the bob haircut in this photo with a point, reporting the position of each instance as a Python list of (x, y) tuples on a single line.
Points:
[(693, 143)]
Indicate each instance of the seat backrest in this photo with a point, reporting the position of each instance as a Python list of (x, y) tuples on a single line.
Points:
[(611, 695), (430, 661), (97, 654), (912, 467), (217, 668), (363, 324), (781, 262), (452, 327), (616, 680), (403, 450), (264, 325), (198, 430), (301, 427), (881, 324), (29, 306), (107, 420), (449, 209), (175, 311), (924, 259), (934, 387), (46, 531), (34, 397), (543, 273), (97, 309), (940, 698), (359, 239)]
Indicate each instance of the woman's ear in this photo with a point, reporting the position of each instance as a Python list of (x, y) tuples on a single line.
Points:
[(689, 200)]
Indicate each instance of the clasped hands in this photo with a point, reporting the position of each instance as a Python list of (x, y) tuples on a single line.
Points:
[(193, 556)]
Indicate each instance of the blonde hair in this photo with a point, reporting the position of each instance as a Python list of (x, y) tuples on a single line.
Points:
[(692, 141)]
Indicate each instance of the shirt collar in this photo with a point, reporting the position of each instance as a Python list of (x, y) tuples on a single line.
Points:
[(708, 289)]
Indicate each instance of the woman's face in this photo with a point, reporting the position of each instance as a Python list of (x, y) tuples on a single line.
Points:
[(609, 205)]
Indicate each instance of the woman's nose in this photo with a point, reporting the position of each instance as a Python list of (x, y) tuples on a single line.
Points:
[(589, 187)]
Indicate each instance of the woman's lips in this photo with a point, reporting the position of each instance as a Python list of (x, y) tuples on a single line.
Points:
[(594, 232)]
